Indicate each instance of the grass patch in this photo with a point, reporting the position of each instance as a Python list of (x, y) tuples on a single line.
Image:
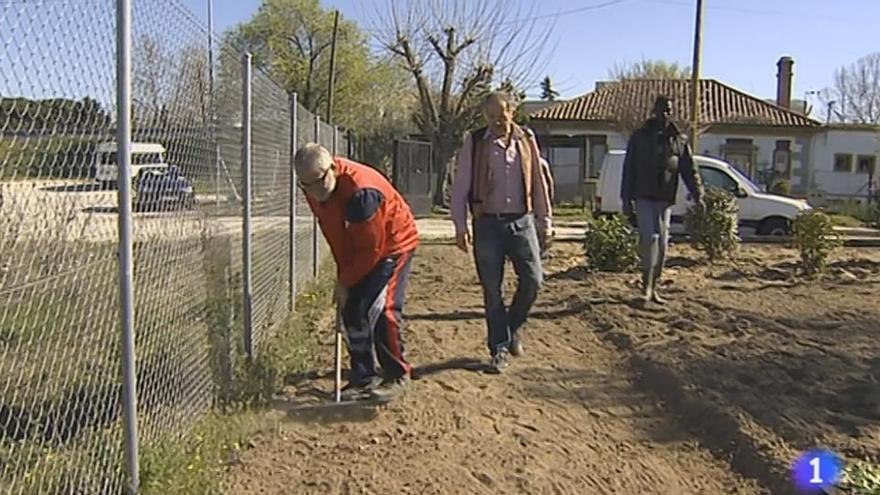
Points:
[(840, 220), (61, 414), (861, 478), (196, 463), (571, 212)]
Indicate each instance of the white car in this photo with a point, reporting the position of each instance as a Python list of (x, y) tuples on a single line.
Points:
[(143, 155), (759, 212)]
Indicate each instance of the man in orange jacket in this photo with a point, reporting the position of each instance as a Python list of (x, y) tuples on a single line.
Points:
[(372, 235)]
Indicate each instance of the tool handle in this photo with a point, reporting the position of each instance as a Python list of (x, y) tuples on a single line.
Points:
[(338, 358)]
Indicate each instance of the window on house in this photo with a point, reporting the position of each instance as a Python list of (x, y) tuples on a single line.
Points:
[(782, 157), (843, 162), (867, 165)]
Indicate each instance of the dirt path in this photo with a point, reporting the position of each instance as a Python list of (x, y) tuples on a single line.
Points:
[(564, 419)]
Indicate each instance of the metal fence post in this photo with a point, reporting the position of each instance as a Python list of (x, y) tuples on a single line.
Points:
[(126, 246), (247, 272), (316, 251), (291, 261), (335, 140), (395, 166)]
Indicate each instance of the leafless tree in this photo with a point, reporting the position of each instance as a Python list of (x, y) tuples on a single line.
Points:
[(456, 51), (855, 95), (648, 69)]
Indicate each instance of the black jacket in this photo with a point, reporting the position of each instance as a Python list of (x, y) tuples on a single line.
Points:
[(655, 157)]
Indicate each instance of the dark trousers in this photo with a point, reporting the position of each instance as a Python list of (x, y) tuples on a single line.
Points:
[(497, 238), (653, 218), (373, 320)]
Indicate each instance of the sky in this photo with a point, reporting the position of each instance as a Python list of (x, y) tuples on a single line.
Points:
[(742, 39)]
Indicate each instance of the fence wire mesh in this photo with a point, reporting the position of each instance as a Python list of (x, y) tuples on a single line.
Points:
[(61, 423)]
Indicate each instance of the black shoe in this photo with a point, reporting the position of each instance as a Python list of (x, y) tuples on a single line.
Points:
[(500, 362), (516, 347), (360, 390), (390, 389)]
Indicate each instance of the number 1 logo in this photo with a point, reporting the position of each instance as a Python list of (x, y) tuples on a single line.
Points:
[(816, 469)]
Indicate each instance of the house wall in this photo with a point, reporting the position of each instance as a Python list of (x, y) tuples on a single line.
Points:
[(812, 155), (857, 142), (570, 168), (712, 144)]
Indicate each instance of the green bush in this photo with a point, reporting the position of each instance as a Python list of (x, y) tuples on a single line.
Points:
[(873, 211), (781, 187), (611, 244), (56, 157), (713, 229), (815, 238)]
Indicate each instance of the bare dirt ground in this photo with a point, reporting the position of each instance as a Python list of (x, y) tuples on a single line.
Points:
[(713, 394)]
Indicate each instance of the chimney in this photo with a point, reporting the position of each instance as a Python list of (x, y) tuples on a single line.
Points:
[(784, 81)]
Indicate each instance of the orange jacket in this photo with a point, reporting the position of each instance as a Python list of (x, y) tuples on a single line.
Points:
[(364, 220)]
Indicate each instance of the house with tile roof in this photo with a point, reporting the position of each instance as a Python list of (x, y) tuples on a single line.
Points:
[(765, 140)]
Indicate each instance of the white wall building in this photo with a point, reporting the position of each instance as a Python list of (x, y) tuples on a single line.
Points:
[(766, 141)]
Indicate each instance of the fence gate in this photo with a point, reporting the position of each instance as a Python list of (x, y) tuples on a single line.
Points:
[(413, 174)]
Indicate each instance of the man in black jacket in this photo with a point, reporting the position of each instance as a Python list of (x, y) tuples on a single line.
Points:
[(657, 153)]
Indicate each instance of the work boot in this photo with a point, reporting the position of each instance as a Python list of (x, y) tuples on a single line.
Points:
[(390, 389), (516, 347), (500, 362), (648, 288), (656, 290), (361, 390), (655, 296)]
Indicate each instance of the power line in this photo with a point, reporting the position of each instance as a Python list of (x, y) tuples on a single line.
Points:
[(745, 10), (586, 8)]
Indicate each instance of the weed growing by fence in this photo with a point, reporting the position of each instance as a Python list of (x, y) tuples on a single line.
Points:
[(713, 228), (611, 244), (815, 239)]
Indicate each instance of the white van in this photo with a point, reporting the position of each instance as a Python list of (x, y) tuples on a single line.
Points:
[(143, 155), (759, 212)]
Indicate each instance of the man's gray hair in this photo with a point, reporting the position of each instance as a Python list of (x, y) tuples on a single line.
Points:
[(312, 155), (500, 97)]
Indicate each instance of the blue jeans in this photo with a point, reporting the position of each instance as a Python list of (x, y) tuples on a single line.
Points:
[(653, 218), (495, 240)]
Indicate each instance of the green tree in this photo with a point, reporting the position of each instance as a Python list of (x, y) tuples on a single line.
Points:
[(649, 69), (547, 91), (291, 40)]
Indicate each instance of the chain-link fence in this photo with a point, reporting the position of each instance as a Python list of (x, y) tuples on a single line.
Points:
[(413, 174), (216, 261)]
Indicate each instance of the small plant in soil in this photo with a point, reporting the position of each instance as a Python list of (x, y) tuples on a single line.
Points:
[(713, 228), (815, 239), (861, 478), (611, 244)]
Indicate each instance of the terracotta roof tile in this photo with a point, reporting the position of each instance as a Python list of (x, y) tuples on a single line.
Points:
[(720, 104)]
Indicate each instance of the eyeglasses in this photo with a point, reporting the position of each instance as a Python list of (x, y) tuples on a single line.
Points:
[(315, 182)]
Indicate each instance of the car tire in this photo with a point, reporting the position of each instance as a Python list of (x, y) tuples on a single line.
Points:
[(775, 227)]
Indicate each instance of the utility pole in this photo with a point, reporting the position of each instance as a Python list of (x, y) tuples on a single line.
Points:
[(695, 78), (332, 77)]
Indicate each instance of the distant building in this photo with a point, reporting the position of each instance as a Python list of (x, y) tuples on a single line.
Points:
[(763, 139)]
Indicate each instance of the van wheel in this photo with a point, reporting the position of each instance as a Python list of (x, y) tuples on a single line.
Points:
[(775, 226)]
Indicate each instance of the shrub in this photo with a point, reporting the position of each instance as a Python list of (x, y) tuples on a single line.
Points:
[(611, 244), (713, 229), (873, 213), (815, 238), (781, 187)]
